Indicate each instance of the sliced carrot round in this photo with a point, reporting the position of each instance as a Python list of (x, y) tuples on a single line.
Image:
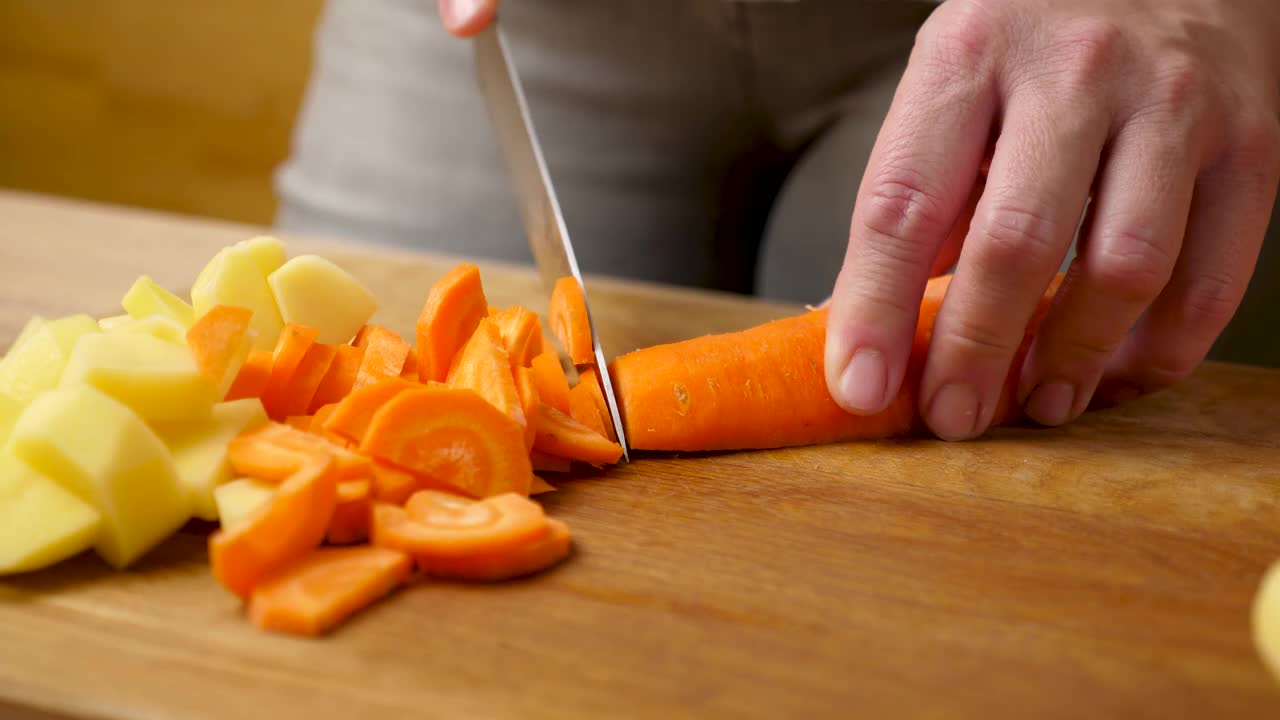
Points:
[(567, 316), (549, 378), (535, 555), (293, 344), (440, 525), (274, 451), (352, 417), (562, 436), (454, 307)]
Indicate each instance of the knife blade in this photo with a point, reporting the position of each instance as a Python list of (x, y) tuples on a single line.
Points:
[(540, 213)]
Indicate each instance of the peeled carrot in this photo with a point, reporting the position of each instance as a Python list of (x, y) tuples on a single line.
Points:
[(454, 437), (410, 369), (527, 390), (319, 417), (307, 377), (322, 590), (549, 378), (301, 422), (293, 344), (352, 514), (583, 409), (530, 557), (440, 524), (567, 316), (454, 307), (355, 412), (253, 376), (764, 387), (337, 382), (562, 436), (274, 451), (589, 381), (540, 486), (521, 334), (483, 366), (393, 485), (543, 462), (384, 356), (281, 531), (219, 341)]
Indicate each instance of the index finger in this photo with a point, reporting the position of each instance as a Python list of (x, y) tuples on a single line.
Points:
[(465, 18)]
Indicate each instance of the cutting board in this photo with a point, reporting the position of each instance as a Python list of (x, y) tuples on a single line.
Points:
[(1101, 570)]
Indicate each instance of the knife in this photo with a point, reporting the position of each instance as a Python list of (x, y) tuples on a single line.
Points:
[(539, 209)]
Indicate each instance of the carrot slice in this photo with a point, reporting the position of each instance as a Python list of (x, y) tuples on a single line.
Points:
[(384, 356), (454, 437), (324, 589), (483, 366), (537, 554), (355, 412), (410, 369), (293, 344), (567, 316), (562, 436), (353, 513), (301, 422), (337, 382), (454, 308), (589, 380), (521, 334), (583, 408), (393, 485), (441, 524), (219, 342), (307, 377), (274, 451), (541, 486), (319, 417), (527, 390), (552, 383), (252, 378), (277, 533), (543, 462)]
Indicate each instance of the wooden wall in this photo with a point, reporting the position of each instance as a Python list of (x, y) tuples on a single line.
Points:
[(182, 105)]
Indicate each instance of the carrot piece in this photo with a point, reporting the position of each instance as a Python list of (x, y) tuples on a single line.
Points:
[(527, 390), (534, 556), (219, 343), (483, 366), (319, 417), (454, 437), (355, 412), (384, 356), (583, 409), (252, 378), (410, 369), (521, 334), (353, 513), (567, 316), (441, 524), (292, 346), (307, 377), (337, 381), (393, 485), (541, 486), (543, 462), (454, 308), (301, 422), (562, 436), (277, 533), (765, 387), (322, 590), (589, 380), (274, 451), (552, 383)]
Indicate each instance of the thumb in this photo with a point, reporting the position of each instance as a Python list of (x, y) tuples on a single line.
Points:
[(467, 17)]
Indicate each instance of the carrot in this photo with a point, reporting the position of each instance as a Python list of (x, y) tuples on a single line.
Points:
[(352, 515), (393, 485), (521, 334), (355, 412), (319, 417), (543, 462), (274, 451), (410, 369), (293, 344), (549, 377), (527, 391), (540, 486), (440, 524), (252, 378), (560, 435), (322, 590), (483, 366), (454, 437), (301, 422), (567, 316), (307, 377), (384, 356), (531, 557), (589, 380), (582, 408), (279, 532), (219, 342), (341, 375), (455, 305), (764, 387)]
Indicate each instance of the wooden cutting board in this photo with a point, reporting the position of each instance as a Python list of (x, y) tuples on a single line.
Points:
[(1101, 570)]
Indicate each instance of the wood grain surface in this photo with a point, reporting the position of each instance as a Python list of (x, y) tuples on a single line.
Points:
[(1101, 570)]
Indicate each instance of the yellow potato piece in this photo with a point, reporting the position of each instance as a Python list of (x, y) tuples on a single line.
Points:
[(41, 523), (159, 380), (114, 322), (158, 326), (1266, 619), (102, 452), (237, 276), (146, 298), (200, 450), (313, 291), (240, 497), (38, 357), (10, 409)]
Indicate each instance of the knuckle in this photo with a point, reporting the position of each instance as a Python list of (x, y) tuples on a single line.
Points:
[(1133, 265), (899, 207), (1180, 89), (981, 338), (1088, 51), (1255, 139), (1016, 236), (960, 41), (1211, 299)]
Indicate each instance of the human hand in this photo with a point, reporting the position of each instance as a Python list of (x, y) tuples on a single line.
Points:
[(467, 17), (1166, 111)]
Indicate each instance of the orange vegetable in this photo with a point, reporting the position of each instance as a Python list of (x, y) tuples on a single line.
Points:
[(393, 485), (293, 344), (567, 317), (353, 513), (307, 377), (410, 369), (483, 366), (441, 524), (535, 555), (589, 381), (319, 417), (454, 308), (549, 378), (543, 462), (541, 486), (281, 531), (337, 382), (454, 437), (560, 435), (322, 590), (301, 422), (521, 334), (355, 412), (274, 451), (217, 340), (384, 356), (527, 391), (253, 376)]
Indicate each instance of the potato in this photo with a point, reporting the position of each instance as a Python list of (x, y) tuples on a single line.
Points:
[(199, 450), (240, 497), (36, 361), (238, 276), (1266, 619), (311, 290), (114, 322), (146, 298), (9, 411), (100, 450), (159, 380), (159, 326), (41, 523)]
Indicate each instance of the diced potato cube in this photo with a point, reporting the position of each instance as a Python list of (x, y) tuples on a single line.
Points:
[(96, 447), (158, 326), (237, 276), (240, 497), (313, 291), (10, 409), (41, 523), (199, 450), (114, 322), (146, 298), (159, 380), (36, 362)]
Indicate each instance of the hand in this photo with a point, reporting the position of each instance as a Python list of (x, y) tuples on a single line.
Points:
[(467, 17), (1164, 110)]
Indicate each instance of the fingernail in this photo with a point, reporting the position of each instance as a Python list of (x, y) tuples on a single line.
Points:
[(1051, 403), (457, 13), (953, 412), (865, 380)]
